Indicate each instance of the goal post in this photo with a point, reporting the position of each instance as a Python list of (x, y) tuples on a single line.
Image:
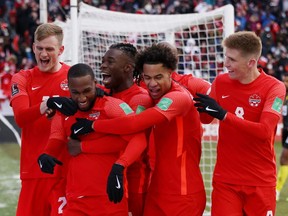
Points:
[(197, 36)]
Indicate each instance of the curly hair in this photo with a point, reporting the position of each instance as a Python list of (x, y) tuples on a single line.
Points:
[(155, 54)]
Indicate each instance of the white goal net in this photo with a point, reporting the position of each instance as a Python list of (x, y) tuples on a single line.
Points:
[(197, 37)]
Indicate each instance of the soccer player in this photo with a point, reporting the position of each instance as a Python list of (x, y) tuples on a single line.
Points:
[(88, 172), (283, 170), (117, 68), (193, 84), (248, 104), (33, 94), (176, 186), (118, 65)]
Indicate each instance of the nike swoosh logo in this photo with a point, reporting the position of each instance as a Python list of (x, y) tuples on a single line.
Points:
[(76, 131), (40, 164), (225, 96), (118, 186), (58, 105), (210, 110), (34, 88)]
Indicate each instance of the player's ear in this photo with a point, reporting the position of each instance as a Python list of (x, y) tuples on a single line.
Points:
[(252, 62), (61, 50), (34, 47), (170, 73), (129, 68)]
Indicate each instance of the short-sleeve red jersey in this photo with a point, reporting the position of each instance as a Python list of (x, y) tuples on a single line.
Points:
[(28, 89), (242, 158), (88, 172)]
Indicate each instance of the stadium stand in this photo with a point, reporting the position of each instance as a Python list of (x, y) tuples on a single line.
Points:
[(19, 19)]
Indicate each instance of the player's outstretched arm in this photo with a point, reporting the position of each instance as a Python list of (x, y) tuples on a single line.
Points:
[(122, 125), (130, 124), (265, 127)]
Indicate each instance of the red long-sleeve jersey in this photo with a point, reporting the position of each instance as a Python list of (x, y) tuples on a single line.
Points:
[(138, 173), (177, 133), (88, 172), (28, 89), (245, 150)]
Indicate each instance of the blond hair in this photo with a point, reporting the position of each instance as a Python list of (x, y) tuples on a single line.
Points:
[(247, 42), (49, 29)]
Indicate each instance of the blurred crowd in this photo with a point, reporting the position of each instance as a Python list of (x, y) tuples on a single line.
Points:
[(19, 19)]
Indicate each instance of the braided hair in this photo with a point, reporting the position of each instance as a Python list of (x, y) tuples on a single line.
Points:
[(129, 50)]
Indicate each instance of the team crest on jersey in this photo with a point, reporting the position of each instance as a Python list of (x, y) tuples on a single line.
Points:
[(14, 89), (94, 116), (254, 100), (164, 103), (64, 85)]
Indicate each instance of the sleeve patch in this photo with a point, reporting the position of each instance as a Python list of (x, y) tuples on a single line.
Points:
[(277, 104), (164, 104), (14, 89), (140, 109), (126, 108)]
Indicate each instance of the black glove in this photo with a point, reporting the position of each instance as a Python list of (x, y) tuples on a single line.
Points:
[(206, 104), (47, 163), (63, 104), (115, 183), (81, 127)]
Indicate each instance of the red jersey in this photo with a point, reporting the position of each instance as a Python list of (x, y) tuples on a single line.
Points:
[(177, 145), (28, 89), (193, 84), (88, 172), (245, 156), (138, 99), (177, 132), (138, 173)]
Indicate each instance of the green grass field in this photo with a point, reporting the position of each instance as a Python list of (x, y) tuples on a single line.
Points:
[(10, 183)]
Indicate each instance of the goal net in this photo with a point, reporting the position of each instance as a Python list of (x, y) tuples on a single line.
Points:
[(197, 37)]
